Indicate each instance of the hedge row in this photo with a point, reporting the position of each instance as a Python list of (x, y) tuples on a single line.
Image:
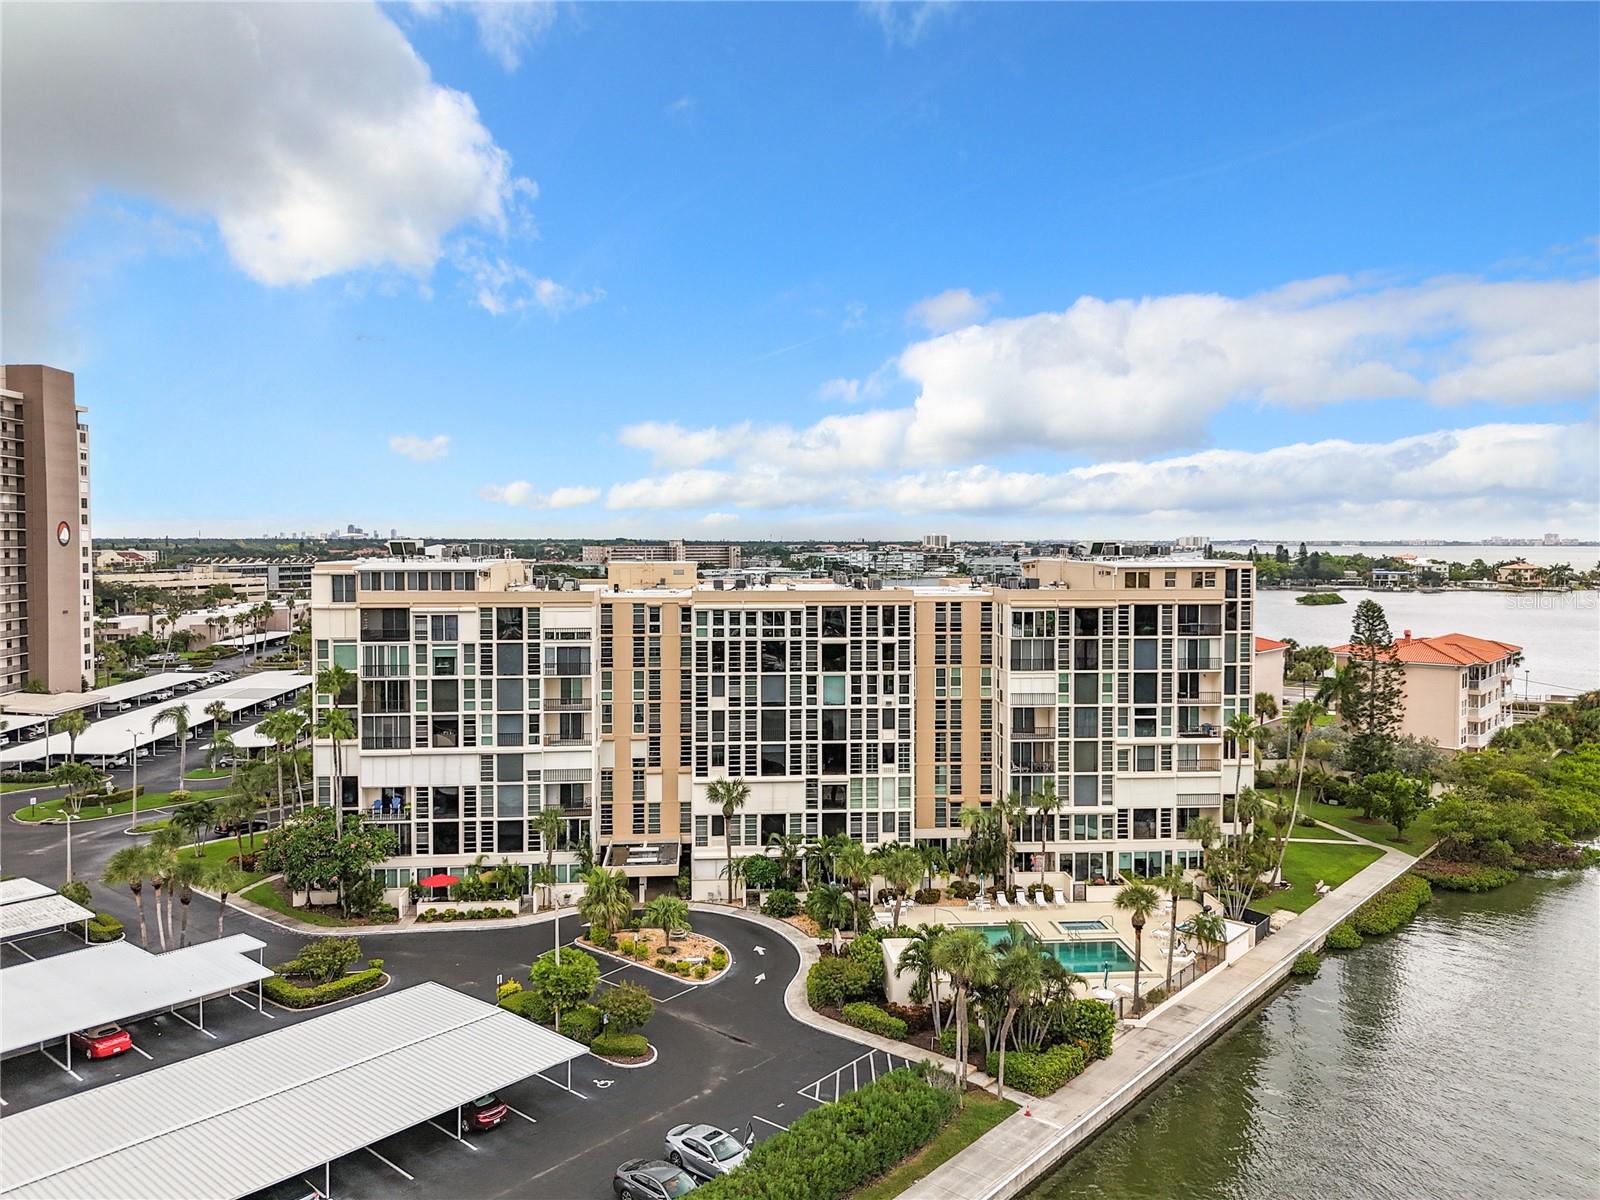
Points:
[(830, 1151), (292, 995), (1306, 964), (465, 914), (1040, 1073), (620, 1045), (1392, 907), (874, 1020), (581, 1024), (781, 903), (1463, 876), (1342, 936), (832, 981), (102, 928)]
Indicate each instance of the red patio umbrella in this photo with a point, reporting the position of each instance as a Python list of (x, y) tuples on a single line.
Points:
[(433, 881)]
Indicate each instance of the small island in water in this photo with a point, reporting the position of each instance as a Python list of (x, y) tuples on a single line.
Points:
[(1320, 598)]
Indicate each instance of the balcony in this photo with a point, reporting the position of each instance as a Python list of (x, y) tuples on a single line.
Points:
[(1200, 697), (1201, 731), (387, 813), (566, 704), (1189, 766), (561, 743), (1199, 628)]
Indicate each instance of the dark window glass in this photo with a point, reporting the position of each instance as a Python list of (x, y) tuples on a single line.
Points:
[(833, 656), (1144, 688), (772, 760), (835, 724), (833, 620)]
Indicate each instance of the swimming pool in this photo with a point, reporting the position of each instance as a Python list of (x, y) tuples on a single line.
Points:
[(1087, 956), (1081, 926)]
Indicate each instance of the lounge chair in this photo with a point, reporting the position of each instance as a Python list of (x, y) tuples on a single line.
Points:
[(1039, 901), (1000, 899)]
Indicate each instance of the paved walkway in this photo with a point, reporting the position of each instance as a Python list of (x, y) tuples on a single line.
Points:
[(1014, 1154), (406, 924)]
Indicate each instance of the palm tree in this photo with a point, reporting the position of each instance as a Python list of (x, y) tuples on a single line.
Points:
[(852, 865), (549, 824), (1210, 930), (828, 905), (666, 913), (935, 861), (968, 960), (1139, 899), (1177, 887), (1011, 809), (239, 809), (217, 710), (729, 796), (130, 867), (186, 873), (193, 817), (606, 903), (1304, 718), (820, 855), (901, 868), (72, 724), (918, 957), (1019, 974), (335, 725), (790, 847), (224, 879), (284, 728), (176, 715), (1242, 729)]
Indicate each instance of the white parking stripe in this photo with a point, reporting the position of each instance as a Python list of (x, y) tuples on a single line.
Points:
[(764, 1121), (389, 1164), (136, 1050), (454, 1137), (523, 1115)]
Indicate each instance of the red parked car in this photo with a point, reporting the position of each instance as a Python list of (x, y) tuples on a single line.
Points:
[(483, 1113), (103, 1041)]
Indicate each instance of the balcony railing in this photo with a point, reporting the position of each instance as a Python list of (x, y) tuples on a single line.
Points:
[(1203, 731), (1191, 765), (568, 741), (1200, 628), (1199, 662), (1201, 697), (566, 704)]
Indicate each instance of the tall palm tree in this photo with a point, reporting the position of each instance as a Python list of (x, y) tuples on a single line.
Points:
[(225, 879), (217, 710), (901, 868), (851, 864), (335, 725), (72, 724), (790, 848), (284, 728), (918, 957), (606, 903), (176, 715), (729, 795), (238, 809), (185, 874), (1140, 900), (1242, 729), (1011, 809), (1210, 930), (1304, 718), (192, 819), (549, 824), (967, 960), (1173, 882), (666, 913), (130, 867), (935, 861), (829, 906), (1019, 974)]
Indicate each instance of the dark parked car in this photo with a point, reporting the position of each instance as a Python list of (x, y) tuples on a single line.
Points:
[(483, 1113), (103, 1041), (651, 1179)]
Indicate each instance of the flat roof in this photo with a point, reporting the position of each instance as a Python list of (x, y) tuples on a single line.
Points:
[(50, 998), (117, 734), (243, 1117), (253, 639), (60, 702), (36, 916), (13, 891)]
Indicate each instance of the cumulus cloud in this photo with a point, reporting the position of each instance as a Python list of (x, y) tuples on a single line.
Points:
[(501, 286), (1531, 467), (417, 449), (312, 136), (953, 309), (719, 518), (523, 494), (1119, 378)]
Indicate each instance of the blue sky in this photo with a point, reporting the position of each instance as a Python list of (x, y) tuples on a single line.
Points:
[(816, 270)]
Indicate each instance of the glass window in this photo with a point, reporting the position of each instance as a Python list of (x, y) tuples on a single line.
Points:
[(833, 620), (508, 729), (344, 589), (773, 725), (344, 655), (445, 695), (835, 724), (508, 624), (1085, 689), (508, 695), (1144, 688), (1085, 722), (833, 689), (772, 690), (833, 656), (1144, 655), (508, 659), (444, 660), (772, 759)]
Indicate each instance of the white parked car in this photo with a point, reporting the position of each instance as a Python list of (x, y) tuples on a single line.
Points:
[(705, 1150)]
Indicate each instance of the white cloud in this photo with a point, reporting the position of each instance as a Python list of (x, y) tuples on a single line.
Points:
[(681, 107), (905, 21), (952, 309), (506, 28), (846, 390), (409, 445), (719, 518), (1433, 477), (522, 494), (313, 136), (502, 286)]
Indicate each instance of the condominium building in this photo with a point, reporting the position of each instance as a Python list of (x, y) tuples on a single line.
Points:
[(1457, 687), (251, 578), (483, 696), (46, 568), (724, 556)]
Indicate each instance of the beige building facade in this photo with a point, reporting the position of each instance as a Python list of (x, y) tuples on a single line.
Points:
[(877, 714), (46, 563), (1457, 688)]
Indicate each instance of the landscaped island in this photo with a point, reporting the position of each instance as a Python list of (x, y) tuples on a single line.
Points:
[(1317, 598)]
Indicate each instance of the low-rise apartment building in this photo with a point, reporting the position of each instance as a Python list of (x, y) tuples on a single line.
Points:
[(484, 695), (1457, 687)]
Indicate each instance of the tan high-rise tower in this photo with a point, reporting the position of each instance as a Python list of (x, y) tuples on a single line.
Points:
[(46, 587)]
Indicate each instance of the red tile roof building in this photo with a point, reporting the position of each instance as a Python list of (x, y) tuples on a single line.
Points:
[(1455, 686)]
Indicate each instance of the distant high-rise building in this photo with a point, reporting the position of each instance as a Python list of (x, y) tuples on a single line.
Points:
[(710, 556), (46, 568), (1552, 539), (936, 541)]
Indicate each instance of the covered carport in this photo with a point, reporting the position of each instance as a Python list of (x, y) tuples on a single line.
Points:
[(43, 914), (51, 999), (280, 1106)]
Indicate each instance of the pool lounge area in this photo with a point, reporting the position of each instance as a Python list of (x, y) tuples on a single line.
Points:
[(1084, 956)]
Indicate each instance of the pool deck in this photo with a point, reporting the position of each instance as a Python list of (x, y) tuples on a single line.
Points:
[(1027, 1145)]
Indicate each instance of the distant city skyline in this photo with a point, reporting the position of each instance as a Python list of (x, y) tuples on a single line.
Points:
[(830, 270)]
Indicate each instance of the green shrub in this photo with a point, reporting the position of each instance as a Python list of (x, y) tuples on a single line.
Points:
[(1093, 1022), (874, 1020), (509, 988), (324, 959), (1342, 936), (929, 896), (1463, 876), (582, 1024), (1155, 996), (77, 891), (832, 981), (1043, 1072), (281, 991), (566, 984), (702, 970), (1392, 907), (620, 1045), (529, 1005), (867, 949), (663, 964), (104, 928), (627, 1006), (719, 959), (831, 1151), (781, 903), (947, 1040), (375, 963), (1306, 965), (625, 947)]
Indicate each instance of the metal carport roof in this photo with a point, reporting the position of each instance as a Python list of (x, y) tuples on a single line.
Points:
[(249, 1115), (13, 891), (36, 916), (57, 996)]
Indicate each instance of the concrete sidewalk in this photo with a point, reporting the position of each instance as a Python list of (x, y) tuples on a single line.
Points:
[(1013, 1155)]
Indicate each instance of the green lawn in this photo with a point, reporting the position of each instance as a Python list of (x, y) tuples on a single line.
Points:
[(1306, 862), (981, 1114), (209, 773), (1317, 833), (51, 809), (1419, 835), (268, 895), (14, 786), (214, 853)]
